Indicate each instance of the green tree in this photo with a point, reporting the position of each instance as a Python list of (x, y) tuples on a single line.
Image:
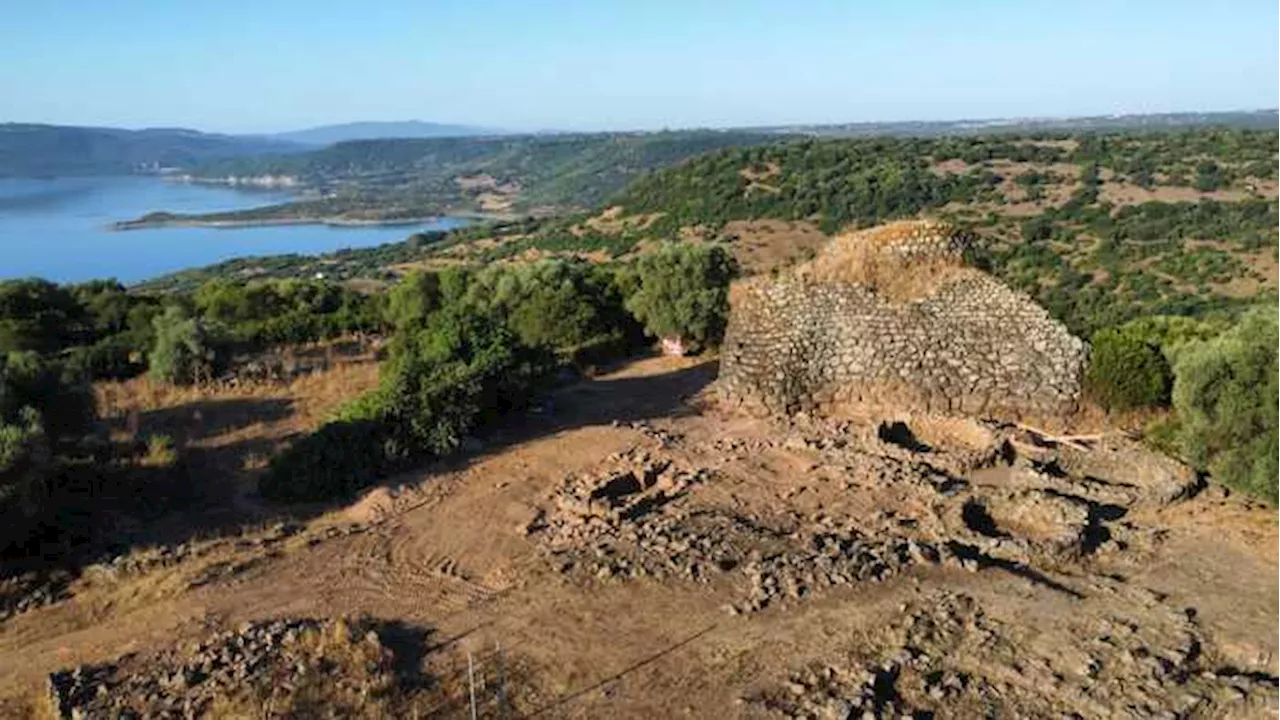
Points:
[(1225, 394), (1208, 176), (411, 301), (106, 304), (25, 464), (684, 293), (1171, 333), (38, 315), (560, 304), (183, 351)]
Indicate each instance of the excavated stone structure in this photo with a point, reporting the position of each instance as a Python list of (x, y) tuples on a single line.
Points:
[(892, 317)]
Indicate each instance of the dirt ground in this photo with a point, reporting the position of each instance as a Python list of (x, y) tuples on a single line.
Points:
[(643, 552)]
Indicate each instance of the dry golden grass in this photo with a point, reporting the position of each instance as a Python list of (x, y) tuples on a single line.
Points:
[(1121, 194), (38, 704), (228, 433), (764, 172), (611, 220), (312, 396)]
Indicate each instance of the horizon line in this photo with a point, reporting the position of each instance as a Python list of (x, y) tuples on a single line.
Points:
[(495, 130)]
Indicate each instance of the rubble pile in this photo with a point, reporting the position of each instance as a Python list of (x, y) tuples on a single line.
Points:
[(943, 656), (253, 660)]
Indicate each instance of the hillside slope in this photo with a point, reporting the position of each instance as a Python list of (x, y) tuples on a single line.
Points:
[(30, 150), (1100, 228), (495, 174)]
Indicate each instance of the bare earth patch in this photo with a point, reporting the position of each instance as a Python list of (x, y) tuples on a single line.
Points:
[(1129, 194), (1262, 269), (611, 221), (643, 553)]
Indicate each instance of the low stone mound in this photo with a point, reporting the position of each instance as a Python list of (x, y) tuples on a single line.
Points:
[(230, 673), (1045, 520), (892, 318), (1061, 501), (632, 519)]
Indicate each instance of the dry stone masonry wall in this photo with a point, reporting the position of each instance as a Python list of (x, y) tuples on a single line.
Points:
[(962, 342)]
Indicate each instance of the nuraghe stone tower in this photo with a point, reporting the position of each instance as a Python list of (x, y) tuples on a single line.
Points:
[(891, 317)]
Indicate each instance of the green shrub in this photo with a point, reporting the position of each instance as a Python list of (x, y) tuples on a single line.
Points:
[(183, 352), (24, 469), (61, 400), (684, 293), (161, 452), (41, 406), (333, 462), (441, 384), (37, 315), (1225, 395), (1126, 372), (270, 312), (413, 299)]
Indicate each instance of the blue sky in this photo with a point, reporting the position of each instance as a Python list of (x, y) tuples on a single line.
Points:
[(264, 65)]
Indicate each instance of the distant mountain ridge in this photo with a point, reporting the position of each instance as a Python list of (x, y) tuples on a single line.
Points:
[(381, 130), (36, 150)]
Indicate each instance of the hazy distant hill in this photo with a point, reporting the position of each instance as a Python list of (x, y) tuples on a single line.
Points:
[(404, 178), (329, 134), (30, 150), (1245, 119)]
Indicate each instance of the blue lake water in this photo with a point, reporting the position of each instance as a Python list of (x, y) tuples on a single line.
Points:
[(59, 228)]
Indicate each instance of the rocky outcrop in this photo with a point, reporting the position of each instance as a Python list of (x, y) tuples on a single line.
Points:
[(892, 317)]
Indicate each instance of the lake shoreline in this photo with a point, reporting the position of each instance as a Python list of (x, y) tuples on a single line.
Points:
[(126, 225), (61, 229), (335, 221)]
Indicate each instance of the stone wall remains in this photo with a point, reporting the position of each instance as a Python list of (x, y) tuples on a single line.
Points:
[(968, 344)]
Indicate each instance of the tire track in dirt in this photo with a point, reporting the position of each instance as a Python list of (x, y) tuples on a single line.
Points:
[(390, 562), (448, 540)]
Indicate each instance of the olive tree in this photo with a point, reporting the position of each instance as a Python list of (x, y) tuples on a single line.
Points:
[(683, 293), (183, 352), (1224, 393)]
